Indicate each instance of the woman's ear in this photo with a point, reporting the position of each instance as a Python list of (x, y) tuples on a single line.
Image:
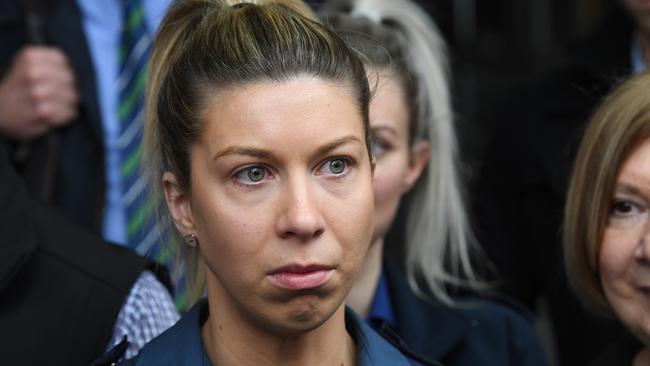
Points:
[(418, 160), (178, 204)]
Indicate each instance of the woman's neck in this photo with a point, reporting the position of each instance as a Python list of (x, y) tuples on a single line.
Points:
[(231, 338), (363, 290)]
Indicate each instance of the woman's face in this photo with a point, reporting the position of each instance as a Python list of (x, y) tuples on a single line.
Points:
[(398, 165), (280, 200), (625, 251)]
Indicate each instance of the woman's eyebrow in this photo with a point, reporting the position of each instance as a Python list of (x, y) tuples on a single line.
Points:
[(337, 143), (388, 129), (242, 150), (265, 154), (631, 189)]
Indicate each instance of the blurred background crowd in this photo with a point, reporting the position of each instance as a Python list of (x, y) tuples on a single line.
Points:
[(526, 76)]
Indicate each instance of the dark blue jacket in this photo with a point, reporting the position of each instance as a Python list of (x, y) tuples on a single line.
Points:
[(475, 333), (182, 345)]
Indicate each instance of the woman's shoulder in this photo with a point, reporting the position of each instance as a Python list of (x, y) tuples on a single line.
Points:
[(499, 328), (496, 315), (486, 330), (478, 331), (494, 309), (483, 312)]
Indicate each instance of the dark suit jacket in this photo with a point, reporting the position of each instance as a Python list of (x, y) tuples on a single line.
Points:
[(61, 288), (521, 190), (478, 332), (79, 167)]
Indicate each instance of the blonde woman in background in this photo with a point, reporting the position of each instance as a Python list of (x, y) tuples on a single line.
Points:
[(414, 145), (607, 219), (257, 134)]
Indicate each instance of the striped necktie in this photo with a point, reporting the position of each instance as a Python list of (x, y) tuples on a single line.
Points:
[(133, 54), (143, 235)]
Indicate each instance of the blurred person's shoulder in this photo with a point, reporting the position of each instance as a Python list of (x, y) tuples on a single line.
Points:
[(505, 326), (486, 330)]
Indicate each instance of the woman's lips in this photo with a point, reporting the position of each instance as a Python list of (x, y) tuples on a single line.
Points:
[(296, 277)]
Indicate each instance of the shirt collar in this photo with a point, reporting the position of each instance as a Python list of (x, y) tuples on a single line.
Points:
[(372, 348), (381, 307)]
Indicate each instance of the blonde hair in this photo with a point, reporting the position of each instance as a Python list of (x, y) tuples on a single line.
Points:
[(398, 35), (204, 47), (617, 126)]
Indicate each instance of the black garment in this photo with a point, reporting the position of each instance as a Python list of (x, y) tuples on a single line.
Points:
[(79, 166), (521, 190), (60, 287), (477, 332), (620, 353)]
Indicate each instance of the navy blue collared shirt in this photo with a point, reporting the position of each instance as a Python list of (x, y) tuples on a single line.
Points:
[(182, 344)]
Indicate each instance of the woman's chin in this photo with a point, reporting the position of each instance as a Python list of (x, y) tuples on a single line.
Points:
[(303, 315)]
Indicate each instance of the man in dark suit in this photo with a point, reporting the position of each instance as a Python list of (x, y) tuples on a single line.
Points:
[(520, 193), (50, 91), (64, 293)]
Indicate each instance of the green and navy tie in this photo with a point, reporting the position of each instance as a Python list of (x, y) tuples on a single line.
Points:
[(142, 233)]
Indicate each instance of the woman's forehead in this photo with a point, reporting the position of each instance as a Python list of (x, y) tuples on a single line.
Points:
[(297, 114)]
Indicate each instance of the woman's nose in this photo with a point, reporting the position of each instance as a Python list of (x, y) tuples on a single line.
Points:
[(643, 249), (301, 217)]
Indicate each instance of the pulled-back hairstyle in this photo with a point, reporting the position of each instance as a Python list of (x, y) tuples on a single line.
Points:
[(616, 128), (398, 35), (204, 47)]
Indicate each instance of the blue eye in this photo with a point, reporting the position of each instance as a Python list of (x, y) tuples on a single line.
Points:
[(252, 174), (378, 147), (336, 166)]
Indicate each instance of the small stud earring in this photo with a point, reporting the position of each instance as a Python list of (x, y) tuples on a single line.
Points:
[(191, 240)]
